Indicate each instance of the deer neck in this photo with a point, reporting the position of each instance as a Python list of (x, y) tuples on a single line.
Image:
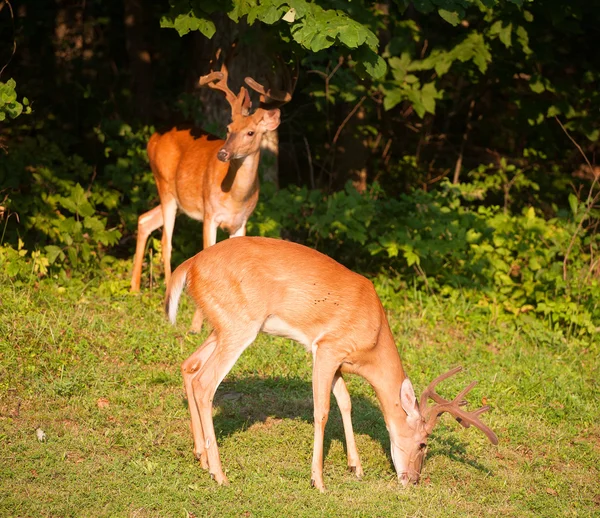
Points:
[(242, 177), (385, 373)]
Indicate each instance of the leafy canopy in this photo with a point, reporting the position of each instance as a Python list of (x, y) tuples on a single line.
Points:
[(311, 26)]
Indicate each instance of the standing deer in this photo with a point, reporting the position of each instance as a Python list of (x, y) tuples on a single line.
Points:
[(252, 284), (211, 180)]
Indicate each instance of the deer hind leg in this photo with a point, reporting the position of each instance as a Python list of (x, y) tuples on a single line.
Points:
[(342, 396), (169, 213), (229, 348), (190, 369), (197, 320), (324, 370), (147, 223)]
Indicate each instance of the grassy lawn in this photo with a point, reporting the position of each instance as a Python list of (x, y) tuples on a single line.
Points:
[(99, 374)]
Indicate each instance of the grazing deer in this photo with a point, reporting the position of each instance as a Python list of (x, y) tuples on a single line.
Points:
[(211, 180), (252, 284)]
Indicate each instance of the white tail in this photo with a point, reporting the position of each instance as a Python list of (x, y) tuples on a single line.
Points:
[(251, 284), (174, 290), (212, 180)]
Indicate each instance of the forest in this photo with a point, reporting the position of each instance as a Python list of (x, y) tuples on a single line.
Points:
[(445, 149)]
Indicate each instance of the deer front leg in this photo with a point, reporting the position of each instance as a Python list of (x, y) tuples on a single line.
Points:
[(209, 232), (240, 231), (323, 373), (169, 214), (190, 369), (342, 396)]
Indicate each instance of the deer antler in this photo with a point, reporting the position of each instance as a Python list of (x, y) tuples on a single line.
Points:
[(465, 418), (218, 81), (272, 98)]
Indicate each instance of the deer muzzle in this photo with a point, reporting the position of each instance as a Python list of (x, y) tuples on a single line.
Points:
[(409, 478), (223, 155)]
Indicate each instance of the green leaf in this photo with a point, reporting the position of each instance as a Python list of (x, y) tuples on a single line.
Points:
[(505, 35), (13, 268), (184, 23), (266, 13), (523, 39), (429, 94), (574, 204), (72, 253), (370, 62), (392, 98), (53, 252), (451, 17), (534, 264), (536, 85), (241, 8)]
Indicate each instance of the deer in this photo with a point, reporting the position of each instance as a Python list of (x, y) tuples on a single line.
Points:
[(211, 180), (248, 285)]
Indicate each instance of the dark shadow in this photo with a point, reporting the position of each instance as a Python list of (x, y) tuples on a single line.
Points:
[(450, 447), (251, 400)]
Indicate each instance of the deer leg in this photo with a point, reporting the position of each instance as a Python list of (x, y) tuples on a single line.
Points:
[(197, 319), (323, 373), (209, 232), (147, 223), (169, 214), (230, 347), (240, 231), (190, 369), (342, 396)]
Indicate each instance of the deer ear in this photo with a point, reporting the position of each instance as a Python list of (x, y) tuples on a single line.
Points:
[(409, 400), (270, 120)]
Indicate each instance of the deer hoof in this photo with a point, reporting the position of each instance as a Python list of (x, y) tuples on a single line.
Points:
[(357, 471), (320, 487)]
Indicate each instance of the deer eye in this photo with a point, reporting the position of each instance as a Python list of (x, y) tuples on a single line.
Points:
[(250, 133), (422, 446)]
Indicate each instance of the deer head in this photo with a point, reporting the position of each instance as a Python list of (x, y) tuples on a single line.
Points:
[(246, 129), (409, 440)]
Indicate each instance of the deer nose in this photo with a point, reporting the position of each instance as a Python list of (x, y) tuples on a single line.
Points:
[(406, 479), (223, 155)]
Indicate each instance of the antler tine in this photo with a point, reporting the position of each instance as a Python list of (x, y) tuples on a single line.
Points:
[(272, 98), (430, 392), (218, 80), (464, 417)]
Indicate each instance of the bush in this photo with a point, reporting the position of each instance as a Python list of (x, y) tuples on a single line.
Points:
[(449, 243), (53, 214), (505, 264)]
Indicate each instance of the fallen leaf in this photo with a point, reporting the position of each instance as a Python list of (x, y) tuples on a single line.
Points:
[(551, 491), (103, 402), (40, 434)]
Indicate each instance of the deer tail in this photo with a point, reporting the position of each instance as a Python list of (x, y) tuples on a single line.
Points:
[(176, 285)]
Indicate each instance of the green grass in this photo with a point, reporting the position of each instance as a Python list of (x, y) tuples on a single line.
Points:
[(63, 350)]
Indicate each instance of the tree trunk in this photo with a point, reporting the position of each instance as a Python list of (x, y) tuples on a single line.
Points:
[(251, 59), (139, 57)]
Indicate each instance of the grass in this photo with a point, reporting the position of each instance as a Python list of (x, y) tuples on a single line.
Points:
[(99, 374)]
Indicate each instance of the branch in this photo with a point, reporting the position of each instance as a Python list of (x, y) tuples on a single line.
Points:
[(12, 19), (590, 202), (348, 117)]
